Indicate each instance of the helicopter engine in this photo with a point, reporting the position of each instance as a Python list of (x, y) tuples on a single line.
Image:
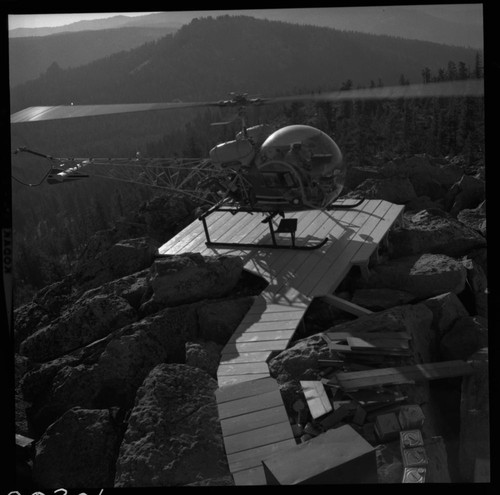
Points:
[(302, 165), (237, 153)]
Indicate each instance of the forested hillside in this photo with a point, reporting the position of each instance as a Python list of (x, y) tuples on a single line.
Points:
[(29, 57), (205, 60), (210, 57)]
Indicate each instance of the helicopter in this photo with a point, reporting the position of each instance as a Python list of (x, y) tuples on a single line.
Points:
[(262, 170)]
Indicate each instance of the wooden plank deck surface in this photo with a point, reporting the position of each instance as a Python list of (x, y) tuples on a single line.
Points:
[(253, 418)]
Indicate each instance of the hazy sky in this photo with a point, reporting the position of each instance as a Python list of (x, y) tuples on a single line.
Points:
[(45, 20)]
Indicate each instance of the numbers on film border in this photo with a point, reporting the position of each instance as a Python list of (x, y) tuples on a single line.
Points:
[(59, 491)]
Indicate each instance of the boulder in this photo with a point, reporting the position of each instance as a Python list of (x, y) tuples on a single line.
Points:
[(218, 320), (123, 258), (134, 288), (433, 231), (422, 203), (28, 318), (446, 309), (424, 276), (108, 372), (300, 361), (427, 177), (474, 416), (55, 297), (180, 279), (356, 175), (474, 218), (468, 192), (204, 355), (467, 335), (78, 451), (379, 299), (173, 436), (21, 421), (88, 319), (393, 189)]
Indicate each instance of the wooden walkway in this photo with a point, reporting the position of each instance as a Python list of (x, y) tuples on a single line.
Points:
[(257, 414)]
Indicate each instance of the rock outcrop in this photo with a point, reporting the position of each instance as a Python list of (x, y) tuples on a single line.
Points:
[(190, 277), (122, 258), (422, 275), (173, 436), (89, 319), (466, 336), (434, 231), (78, 451), (115, 375)]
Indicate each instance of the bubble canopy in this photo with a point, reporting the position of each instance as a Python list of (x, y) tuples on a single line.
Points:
[(315, 158)]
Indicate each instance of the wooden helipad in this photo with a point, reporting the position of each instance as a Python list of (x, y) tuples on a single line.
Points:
[(295, 278)]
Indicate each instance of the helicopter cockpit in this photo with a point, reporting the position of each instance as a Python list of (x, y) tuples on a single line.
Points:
[(307, 165)]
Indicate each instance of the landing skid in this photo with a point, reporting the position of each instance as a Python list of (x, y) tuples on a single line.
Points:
[(344, 206), (286, 226)]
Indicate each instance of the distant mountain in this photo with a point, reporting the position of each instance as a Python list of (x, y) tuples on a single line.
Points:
[(31, 56), (208, 58), (457, 25)]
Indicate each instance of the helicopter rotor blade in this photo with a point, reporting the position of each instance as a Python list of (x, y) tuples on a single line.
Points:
[(35, 114), (467, 87)]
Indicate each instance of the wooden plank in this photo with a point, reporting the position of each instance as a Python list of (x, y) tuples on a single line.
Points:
[(357, 230), (266, 317), (328, 280), (354, 221), (245, 357), (345, 305), (392, 216), (245, 224), (257, 438), (252, 476), (243, 369), (249, 404), (262, 306), (323, 460), (403, 374), (312, 264), (246, 459), (339, 336), (253, 420), (310, 224), (267, 345), (290, 324), (261, 336), (192, 241), (316, 397), (230, 223), (257, 387), (381, 343), (226, 380)]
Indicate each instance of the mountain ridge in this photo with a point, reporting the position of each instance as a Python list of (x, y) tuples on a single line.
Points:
[(209, 58), (431, 24)]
